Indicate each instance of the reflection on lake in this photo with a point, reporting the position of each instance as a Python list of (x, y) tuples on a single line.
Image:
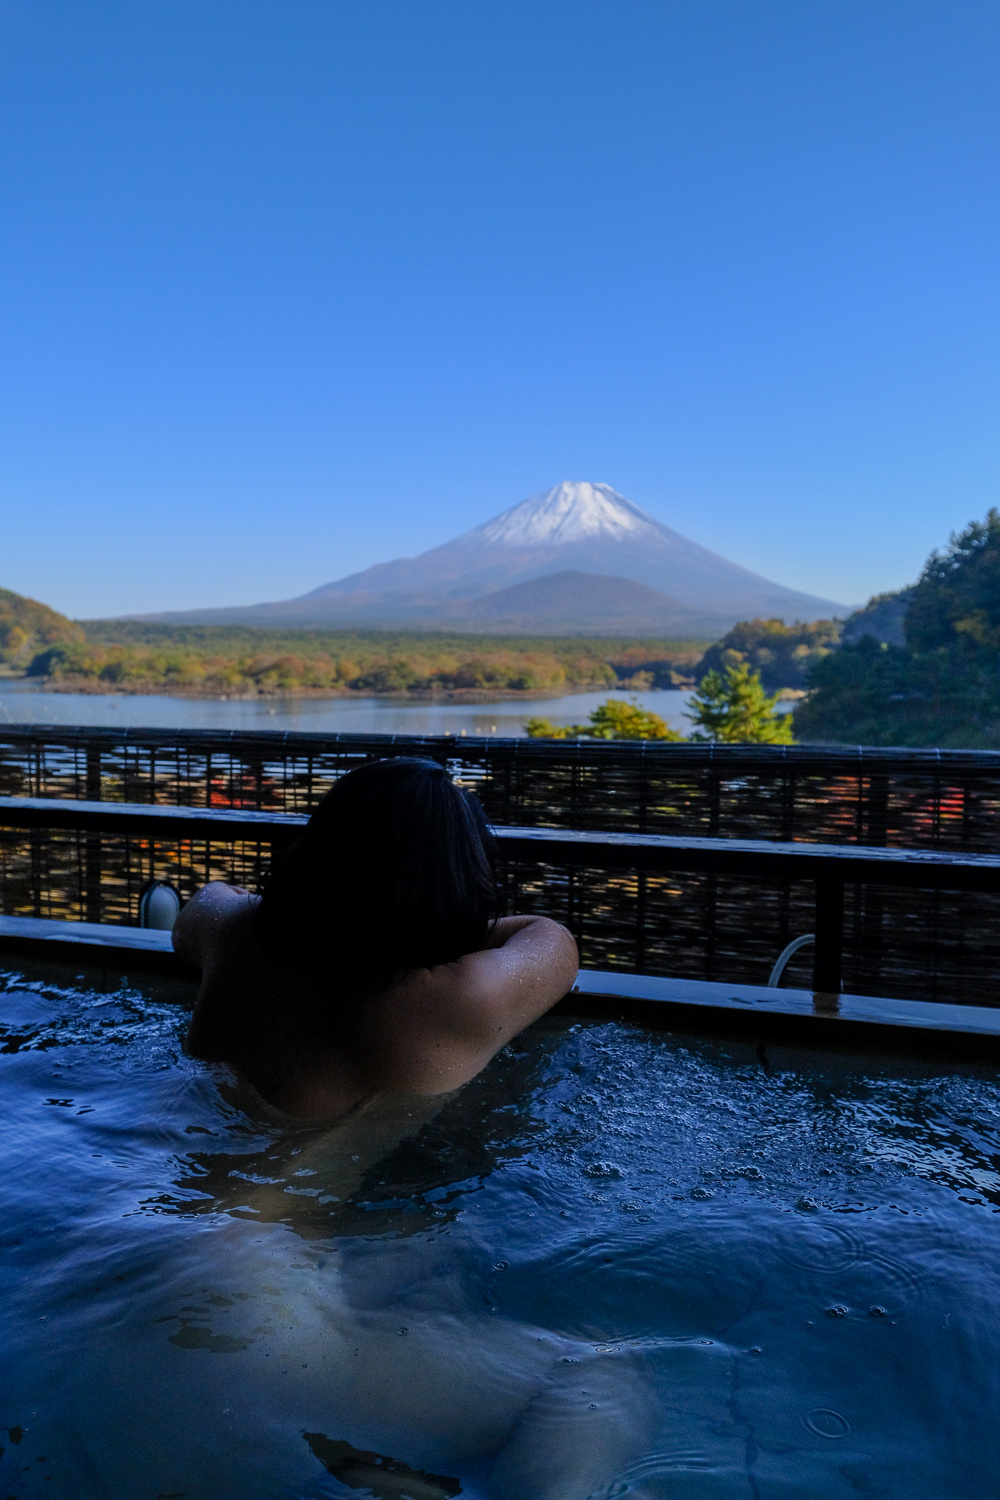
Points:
[(24, 703)]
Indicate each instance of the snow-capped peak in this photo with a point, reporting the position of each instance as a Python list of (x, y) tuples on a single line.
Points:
[(569, 512)]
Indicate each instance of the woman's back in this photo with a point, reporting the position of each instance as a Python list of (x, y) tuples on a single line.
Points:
[(323, 996)]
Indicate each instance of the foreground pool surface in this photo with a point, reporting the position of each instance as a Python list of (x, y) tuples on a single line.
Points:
[(619, 1263)]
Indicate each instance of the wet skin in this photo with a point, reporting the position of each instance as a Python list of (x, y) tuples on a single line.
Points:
[(425, 1034)]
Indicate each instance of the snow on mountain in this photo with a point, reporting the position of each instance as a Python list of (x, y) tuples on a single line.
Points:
[(577, 528), (569, 512)]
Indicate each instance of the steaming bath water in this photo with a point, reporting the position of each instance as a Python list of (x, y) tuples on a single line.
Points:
[(619, 1263)]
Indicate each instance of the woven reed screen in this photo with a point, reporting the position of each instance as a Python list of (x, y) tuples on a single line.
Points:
[(911, 944)]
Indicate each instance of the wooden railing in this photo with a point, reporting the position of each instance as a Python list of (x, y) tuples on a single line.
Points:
[(829, 867)]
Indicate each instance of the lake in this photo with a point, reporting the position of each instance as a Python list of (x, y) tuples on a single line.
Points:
[(26, 703)]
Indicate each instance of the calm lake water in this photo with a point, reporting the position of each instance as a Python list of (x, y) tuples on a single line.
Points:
[(24, 703)]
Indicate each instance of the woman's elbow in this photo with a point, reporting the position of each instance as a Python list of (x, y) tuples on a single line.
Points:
[(565, 955)]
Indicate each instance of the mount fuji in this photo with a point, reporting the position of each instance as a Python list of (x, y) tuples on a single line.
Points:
[(578, 558)]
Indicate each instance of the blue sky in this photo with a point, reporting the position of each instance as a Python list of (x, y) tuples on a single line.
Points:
[(289, 288)]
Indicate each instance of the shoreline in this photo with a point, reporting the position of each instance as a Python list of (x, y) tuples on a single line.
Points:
[(91, 688)]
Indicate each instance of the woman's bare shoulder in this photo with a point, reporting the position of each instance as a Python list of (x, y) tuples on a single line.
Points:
[(199, 928)]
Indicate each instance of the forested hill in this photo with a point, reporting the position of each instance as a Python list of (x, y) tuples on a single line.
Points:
[(942, 687), (27, 627)]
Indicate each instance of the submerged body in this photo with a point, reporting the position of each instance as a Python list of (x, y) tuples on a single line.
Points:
[(426, 1032)]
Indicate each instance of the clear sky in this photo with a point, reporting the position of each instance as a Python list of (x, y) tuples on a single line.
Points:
[(288, 287)]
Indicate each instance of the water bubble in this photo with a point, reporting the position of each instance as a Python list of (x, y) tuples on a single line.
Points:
[(838, 1310), (701, 1192), (602, 1169), (876, 1311), (501, 1265), (402, 1331), (807, 1203), (826, 1423)]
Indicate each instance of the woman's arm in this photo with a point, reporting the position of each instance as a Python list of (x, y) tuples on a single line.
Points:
[(446, 1023)]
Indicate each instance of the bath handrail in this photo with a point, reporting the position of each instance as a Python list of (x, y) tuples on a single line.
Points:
[(829, 866), (785, 956)]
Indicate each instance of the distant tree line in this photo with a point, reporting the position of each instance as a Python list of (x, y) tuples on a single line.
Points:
[(136, 656)]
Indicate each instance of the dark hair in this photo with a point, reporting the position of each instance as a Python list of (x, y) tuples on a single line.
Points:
[(394, 871)]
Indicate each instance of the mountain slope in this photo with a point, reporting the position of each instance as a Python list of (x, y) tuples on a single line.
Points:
[(26, 626), (575, 603), (573, 527)]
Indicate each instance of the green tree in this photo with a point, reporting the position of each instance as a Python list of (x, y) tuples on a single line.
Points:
[(733, 706), (612, 720), (956, 603), (782, 654)]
